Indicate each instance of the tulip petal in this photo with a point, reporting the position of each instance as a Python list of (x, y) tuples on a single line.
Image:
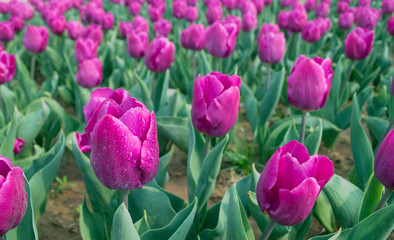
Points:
[(290, 171), (324, 171), (109, 107), (211, 88), (150, 153), (295, 205), (115, 155), (297, 150), (5, 166), (137, 121)]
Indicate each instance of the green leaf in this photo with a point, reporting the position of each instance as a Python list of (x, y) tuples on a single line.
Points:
[(340, 235), (251, 106), (123, 227), (372, 194), (162, 173), (70, 123), (312, 142), (291, 134), (323, 211), (55, 57), (142, 225), (8, 102), (178, 228), (28, 85), (49, 86), (91, 223), (361, 148), (145, 92), (209, 172), (7, 146), (162, 88), (174, 128), (377, 126)]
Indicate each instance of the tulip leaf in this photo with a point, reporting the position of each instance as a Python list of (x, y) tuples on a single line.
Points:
[(7, 146), (246, 184), (337, 80), (142, 225), (204, 67), (26, 229), (123, 227), (174, 128), (55, 58), (146, 96), (28, 85), (8, 102), (91, 223), (291, 134), (251, 108), (372, 194), (312, 142), (161, 90), (177, 203), (49, 86), (345, 199), (70, 123), (340, 235), (361, 148), (323, 211), (209, 172), (162, 173), (178, 228), (377, 126)]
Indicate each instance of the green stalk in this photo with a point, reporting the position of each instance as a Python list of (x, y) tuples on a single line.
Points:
[(206, 147), (268, 229), (384, 199), (124, 197), (267, 85), (343, 87), (303, 125), (33, 67)]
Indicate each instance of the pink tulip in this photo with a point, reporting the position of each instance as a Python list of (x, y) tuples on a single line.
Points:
[(193, 37), (384, 162), (221, 39), (18, 145), (297, 18), (346, 20), (6, 31), (179, 8), (140, 24), (366, 17), (358, 43), (390, 26), (95, 33), (75, 30), (214, 13), (107, 21), (191, 14), (57, 24), (36, 39), (18, 23), (137, 43), (271, 43), (160, 54), (90, 73), (135, 8), (85, 48), (162, 27), (7, 67)]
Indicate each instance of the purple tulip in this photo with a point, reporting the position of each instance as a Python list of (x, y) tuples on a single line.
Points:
[(18, 145), (229, 4), (390, 26), (290, 183), (249, 21), (13, 196), (75, 30), (28, 11), (179, 8), (214, 12), (234, 20), (137, 43), (259, 4), (267, 2), (346, 20), (342, 6), (156, 12), (193, 37), (364, 3), (366, 17), (322, 10), (90, 73), (297, 18), (83, 142), (220, 39), (4, 7), (7, 67), (140, 24), (6, 31), (160, 54), (191, 14), (36, 39), (123, 140), (85, 48), (95, 33), (325, 25), (312, 31), (310, 5), (162, 27), (388, 6), (125, 28), (135, 8), (286, 3), (215, 103), (18, 23), (384, 162), (271, 43), (57, 24), (192, 2), (358, 43), (309, 83), (283, 19), (107, 21)]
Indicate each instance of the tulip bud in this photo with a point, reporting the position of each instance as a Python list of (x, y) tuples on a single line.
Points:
[(85, 48), (309, 83), (249, 21), (291, 182), (229, 4), (193, 37), (342, 6), (7, 67), (156, 12), (135, 8), (384, 161), (312, 31), (234, 20), (191, 14), (390, 26), (366, 17), (75, 30), (140, 24), (346, 20), (6, 31), (90, 73), (107, 21), (95, 33), (18, 145), (286, 3), (271, 43), (179, 8), (259, 4), (215, 103), (57, 24), (267, 2), (13, 196), (310, 5), (125, 28), (388, 6), (364, 3), (28, 11), (214, 12), (36, 39), (162, 27), (124, 145), (358, 43), (297, 18), (4, 7), (137, 43), (17, 22), (160, 54), (220, 39), (283, 19), (192, 2), (322, 10)]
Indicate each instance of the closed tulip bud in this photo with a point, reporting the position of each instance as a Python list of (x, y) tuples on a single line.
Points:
[(18, 145), (325, 24), (36, 39), (229, 4), (4, 7), (192, 2), (286, 3), (162, 27), (95, 33), (342, 6), (90, 73), (364, 3), (310, 5), (259, 4), (267, 2), (28, 12), (7, 67), (191, 14), (6, 31), (214, 12), (85, 48), (107, 21), (140, 24), (297, 18), (215, 103), (156, 12), (75, 30), (271, 43), (135, 8), (18, 23), (390, 26), (57, 24), (291, 182), (384, 161), (366, 17), (346, 20), (358, 43), (322, 10), (309, 83), (388, 6), (283, 19), (124, 145), (160, 54), (249, 21), (312, 31), (179, 8), (13, 196), (221, 39), (137, 43), (193, 37), (125, 28)]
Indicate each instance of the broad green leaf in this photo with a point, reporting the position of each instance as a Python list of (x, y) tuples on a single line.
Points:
[(340, 235), (55, 58), (142, 225), (312, 142), (28, 85), (161, 94), (372, 194), (123, 227), (377, 126), (70, 124), (7, 146), (91, 223), (145, 92), (251, 106), (174, 128), (291, 134), (162, 173), (323, 211)]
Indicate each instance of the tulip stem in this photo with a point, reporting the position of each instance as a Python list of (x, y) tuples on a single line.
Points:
[(303, 125), (217, 64), (32, 67), (268, 229), (153, 89), (194, 65), (124, 197), (343, 87), (206, 147), (384, 199), (267, 84)]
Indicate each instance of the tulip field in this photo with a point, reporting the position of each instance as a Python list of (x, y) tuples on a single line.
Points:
[(197, 119)]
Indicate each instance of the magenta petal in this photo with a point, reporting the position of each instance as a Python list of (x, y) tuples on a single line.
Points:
[(295, 205), (5, 166), (211, 88), (137, 121), (109, 106), (324, 171), (290, 171), (130, 103), (297, 150), (116, 167), (83, 142)]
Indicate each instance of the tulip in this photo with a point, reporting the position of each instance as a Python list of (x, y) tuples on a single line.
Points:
[(388, 6), (235, 20), (95, 33), (36, 39), (322, 10), (75, 30), (364, 3), (309, 83), (156, 12), (162, 27), (28, 12), (85, 48), (160, 54), (179, 8), (137, 43), (7, 67), (215, 103), (259, 4), (107, 21), (390, 26), (4, 7), (358, 43), (384, 162), (57, 24), (346, 20), (214, 12), (140, 24), (17, 22), (90, 73), (135, 8), (124, 145), (286, 3), (271, 43), (83, 142), (220, 39), (366, 17), (6, 31), (291, 182), (342, 6), (325, 24), (267, 2), (18, 145), (310, 5), (13, 196), (283, 19), (229, 4), (191, 14), (312, 31), (297, 18), (125, 28), (249, 21), (192, 2), (193, 37)]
